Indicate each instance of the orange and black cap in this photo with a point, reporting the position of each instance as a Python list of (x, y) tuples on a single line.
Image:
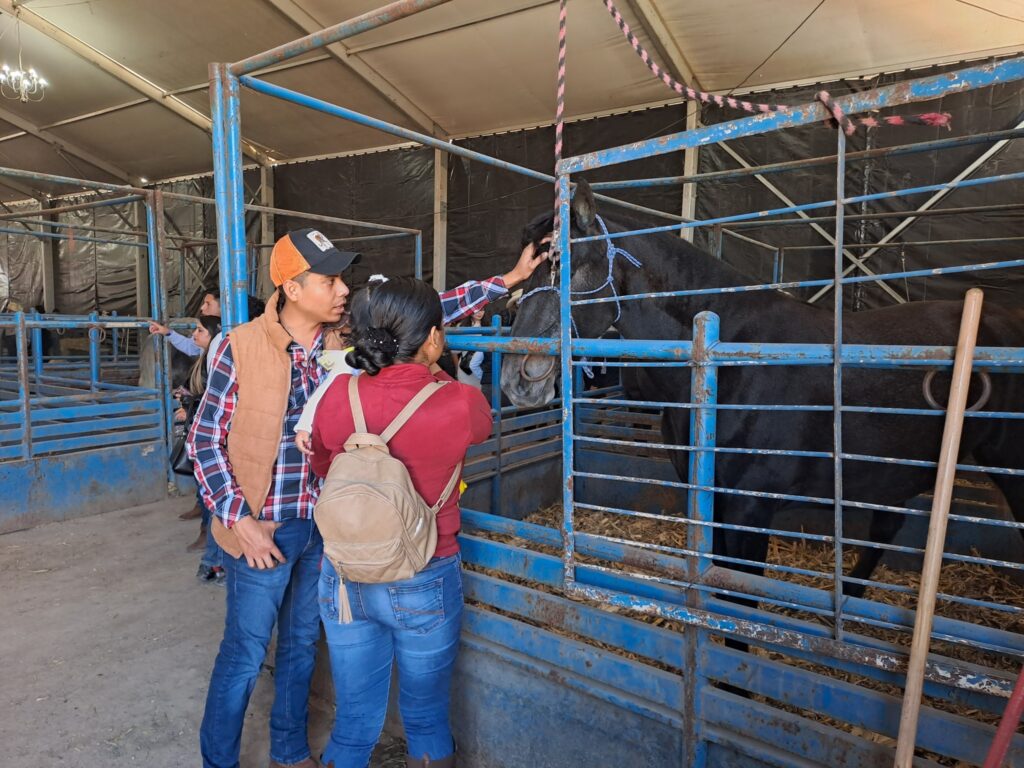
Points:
[(307, 250)]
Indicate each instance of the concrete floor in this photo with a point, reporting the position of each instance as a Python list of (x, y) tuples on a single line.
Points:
[(107, 641)]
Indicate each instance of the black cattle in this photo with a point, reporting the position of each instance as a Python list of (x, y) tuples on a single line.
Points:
[(668, 263)]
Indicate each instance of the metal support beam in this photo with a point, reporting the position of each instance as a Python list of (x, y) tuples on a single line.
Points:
[(301, 18), (24, 189), (142, 286), (378, 17), (663, 42), (440, 219), (50, 251), (691, 159), (62, 145), (855, 260), (967, 172), (119, 71)]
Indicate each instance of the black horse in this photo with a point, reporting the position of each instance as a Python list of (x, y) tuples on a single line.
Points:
[(668, 263)]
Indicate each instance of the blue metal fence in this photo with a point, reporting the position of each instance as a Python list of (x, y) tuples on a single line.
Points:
[(813, 650)]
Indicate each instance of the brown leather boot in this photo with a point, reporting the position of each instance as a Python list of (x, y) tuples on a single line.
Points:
[(426, 762)]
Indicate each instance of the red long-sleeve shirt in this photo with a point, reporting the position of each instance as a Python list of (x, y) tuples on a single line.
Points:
[(430, 444)]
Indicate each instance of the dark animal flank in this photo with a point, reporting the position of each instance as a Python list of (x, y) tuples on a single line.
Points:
[(670, 264)]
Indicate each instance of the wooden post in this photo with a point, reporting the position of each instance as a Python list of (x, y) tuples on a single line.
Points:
[(937, 527), (142, 303), (263, 285), (50, 251), (440, 219), (690, 167)]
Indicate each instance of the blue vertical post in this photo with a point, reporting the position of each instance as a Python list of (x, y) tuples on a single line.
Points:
[(496, 409), (94, 351), (418, 264), (158, 306), (777, 266), (115, 338), (24, 390), (701, 510), (37, 349), (222, 191), (562, 237), (837, 384), (236, 191)]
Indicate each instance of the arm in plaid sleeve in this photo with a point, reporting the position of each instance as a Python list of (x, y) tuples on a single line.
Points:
[(208, 441), (465, 299)]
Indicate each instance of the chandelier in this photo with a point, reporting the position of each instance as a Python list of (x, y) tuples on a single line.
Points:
[(21, 84)]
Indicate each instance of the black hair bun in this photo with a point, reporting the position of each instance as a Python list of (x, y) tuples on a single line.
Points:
[(381, 339), (374, 348)]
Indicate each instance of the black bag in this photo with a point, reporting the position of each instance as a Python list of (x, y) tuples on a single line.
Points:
[(181, 464)]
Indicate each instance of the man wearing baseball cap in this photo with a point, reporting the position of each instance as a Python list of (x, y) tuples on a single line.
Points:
[(261, 491)]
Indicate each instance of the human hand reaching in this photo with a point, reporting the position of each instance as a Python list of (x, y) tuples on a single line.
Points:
[(528, 262)]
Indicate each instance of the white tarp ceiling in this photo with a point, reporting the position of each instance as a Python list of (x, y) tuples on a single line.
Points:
[(468, 67)]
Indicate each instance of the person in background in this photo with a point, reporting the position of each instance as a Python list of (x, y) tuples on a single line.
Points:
[(210, 565), (398, 338), (210, 307), (471, 363), (182, 343)]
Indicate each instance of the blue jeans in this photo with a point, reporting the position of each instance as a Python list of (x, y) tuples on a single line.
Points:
[(415, 622), (213, 555), (256, 601)]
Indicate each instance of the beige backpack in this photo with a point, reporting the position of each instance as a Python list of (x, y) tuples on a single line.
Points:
[(375, 525)]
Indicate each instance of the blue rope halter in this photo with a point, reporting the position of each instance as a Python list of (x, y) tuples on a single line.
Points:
[(611, 251)]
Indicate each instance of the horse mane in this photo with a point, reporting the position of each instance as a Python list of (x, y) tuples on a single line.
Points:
[(664, 242)]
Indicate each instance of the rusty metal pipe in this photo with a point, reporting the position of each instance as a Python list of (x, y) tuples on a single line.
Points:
[(354, 26), (937, 527)]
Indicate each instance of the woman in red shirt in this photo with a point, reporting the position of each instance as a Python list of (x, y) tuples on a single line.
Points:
[(398, 339)]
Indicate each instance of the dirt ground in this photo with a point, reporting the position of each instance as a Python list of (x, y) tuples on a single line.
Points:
[(107, 641)]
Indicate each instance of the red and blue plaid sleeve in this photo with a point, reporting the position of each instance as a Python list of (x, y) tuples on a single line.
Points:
[(465, 299), (208, 441)]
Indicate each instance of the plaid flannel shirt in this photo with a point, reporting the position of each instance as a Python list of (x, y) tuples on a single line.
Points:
[(465, 299), (293, 488)]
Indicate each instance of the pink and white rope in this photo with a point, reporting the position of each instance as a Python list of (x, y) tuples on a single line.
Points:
[(849, 125)]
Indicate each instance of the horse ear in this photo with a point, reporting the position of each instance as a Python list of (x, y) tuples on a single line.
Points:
[(584, 209)]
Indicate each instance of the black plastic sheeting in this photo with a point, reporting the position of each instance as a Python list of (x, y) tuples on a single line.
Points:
[(21, 267), (973, 112), (394, 188), (488, 206)]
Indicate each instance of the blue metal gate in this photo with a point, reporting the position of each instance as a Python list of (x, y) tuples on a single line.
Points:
[(556, 641)]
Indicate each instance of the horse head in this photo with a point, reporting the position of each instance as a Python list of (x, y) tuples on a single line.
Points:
[(529, 380)]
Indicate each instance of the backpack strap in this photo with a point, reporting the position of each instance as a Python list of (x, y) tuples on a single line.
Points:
[(449, 489), (406, 413), (356, 404)]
